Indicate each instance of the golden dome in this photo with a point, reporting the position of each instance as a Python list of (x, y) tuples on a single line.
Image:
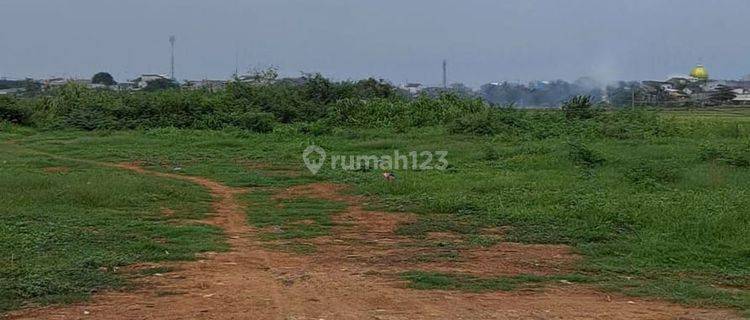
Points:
[(699, 72)]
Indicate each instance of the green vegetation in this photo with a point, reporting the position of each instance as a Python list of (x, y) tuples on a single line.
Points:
[(443, 281), (656, 202), (65, 226), (291, 218), (103, 78)]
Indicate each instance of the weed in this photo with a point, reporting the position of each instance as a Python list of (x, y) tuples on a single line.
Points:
[(579, 108), (446, 281), (583, 155), (60, 234), (735, 156), (292, 218), (653, 173)]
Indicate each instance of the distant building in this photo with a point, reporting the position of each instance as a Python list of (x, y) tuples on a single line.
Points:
[(697, 88), (538, 85), (59, 82), (125, 86), (741, 89), (210, 85), (412, 88), (142, 81), (11, 91), (264, 77), (699, 73), (743, 98)]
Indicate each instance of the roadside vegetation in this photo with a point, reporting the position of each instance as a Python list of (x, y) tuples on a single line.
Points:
[(656, 202)]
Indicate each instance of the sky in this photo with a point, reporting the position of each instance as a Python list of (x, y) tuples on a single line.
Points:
[(398, 40)]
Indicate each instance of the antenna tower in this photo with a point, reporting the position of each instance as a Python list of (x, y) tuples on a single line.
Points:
[(445, 74), (172, 40)]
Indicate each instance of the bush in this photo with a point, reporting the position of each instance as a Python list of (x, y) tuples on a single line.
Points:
[(90, 119), (490, 153), (482, 123), (653, 173), (632, 124), (261, 122), (579, 108), (316, 105), (315, 128), (583, 155), (739, 157), (12, 111)]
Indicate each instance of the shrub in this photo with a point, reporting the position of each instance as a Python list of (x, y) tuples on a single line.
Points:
[(490, 153), (481, 123), (579, 108), (90, 119), (256, 122), (583, 155), (318, 105), (315, 128), (739, 157), (12, 111), (632, 124), (652, 173)]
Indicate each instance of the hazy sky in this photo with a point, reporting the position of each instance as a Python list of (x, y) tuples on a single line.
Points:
[(483, 41)]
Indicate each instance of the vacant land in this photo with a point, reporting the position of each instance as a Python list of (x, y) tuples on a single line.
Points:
[(661, 216)]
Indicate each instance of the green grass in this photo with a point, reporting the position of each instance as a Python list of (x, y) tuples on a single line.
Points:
[(648, 208), (61, 233), (446, 281), (293, 218)]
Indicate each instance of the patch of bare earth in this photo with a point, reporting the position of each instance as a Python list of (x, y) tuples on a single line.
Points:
[(367, 240), (53, 170), (343, 281), (167, 212)]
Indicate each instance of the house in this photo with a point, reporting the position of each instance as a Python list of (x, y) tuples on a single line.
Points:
[(210, 85), (259, 77), (124, 86), (11, 91), (743, 98), (142, 81), (412, 88), (59, 82)]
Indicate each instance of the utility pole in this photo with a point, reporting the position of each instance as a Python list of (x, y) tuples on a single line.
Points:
[(172, 40), (445, 74)]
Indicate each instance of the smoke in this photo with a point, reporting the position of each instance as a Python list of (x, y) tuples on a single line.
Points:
[(605, 71)]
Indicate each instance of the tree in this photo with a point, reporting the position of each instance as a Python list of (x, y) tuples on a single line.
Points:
[(260, 76), (579, 107), (461, 90), (103, 78), (160, 84), (722, 94), (371, 88)]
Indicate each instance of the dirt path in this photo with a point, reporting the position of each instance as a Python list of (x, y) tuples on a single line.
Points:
[(251, 282)]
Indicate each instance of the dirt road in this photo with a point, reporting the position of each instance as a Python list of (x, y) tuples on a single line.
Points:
[(350, 277)]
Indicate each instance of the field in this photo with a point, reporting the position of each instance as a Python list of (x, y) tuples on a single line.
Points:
[(657, 222)]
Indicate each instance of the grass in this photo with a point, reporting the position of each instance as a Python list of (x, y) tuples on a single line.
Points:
[(294, 218), (446, 281), (64, 226), (651, 209)]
